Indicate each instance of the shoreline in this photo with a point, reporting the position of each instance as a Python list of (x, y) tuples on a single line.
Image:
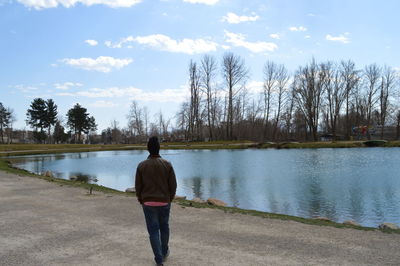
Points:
[(8, 168), (51, 223), (7, 150)]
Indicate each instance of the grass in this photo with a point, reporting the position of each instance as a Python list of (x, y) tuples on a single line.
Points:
[(322, 144), (7, 167), (392, 144), (27, 149)]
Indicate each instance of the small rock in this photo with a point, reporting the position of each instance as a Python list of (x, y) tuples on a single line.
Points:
[(180, 197), (351, 222), (130, 190), (198, 200), (321, 218), (73, 178), (216, 202), (390, 226), (48, 174)]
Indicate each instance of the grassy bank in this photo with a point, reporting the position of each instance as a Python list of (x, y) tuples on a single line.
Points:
[(6, 166), (26, 149)]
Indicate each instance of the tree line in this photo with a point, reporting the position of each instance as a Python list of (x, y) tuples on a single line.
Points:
[(335, 100), (48, 127), (42, 115)]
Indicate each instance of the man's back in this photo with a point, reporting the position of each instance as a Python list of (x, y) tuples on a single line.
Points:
[(155, 180)]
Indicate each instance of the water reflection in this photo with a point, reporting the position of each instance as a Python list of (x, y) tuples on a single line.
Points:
[(342, 184)]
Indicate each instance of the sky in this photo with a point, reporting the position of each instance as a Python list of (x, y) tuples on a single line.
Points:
[(104, 54)]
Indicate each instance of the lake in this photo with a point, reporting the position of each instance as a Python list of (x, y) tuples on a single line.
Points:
[(361, 184)]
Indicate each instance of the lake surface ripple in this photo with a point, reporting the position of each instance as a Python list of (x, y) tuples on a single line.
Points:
[(361, 184)]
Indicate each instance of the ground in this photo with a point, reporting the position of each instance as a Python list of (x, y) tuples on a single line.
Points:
[(46, 223)]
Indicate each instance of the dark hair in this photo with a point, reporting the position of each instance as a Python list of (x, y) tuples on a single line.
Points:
[(153, 146)]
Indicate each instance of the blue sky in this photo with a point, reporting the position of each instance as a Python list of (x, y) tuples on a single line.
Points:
[(106, 53)]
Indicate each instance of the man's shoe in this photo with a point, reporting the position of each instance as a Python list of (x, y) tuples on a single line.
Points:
[(166, 256)]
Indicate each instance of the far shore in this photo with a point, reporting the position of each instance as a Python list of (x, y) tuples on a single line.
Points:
[(28, 149)]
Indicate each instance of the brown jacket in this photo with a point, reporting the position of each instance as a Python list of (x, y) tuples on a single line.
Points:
[(155, 180)]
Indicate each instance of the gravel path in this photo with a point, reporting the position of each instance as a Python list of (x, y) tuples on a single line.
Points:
[(43, 223)]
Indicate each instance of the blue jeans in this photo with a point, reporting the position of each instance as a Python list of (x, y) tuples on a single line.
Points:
[(158, 227)]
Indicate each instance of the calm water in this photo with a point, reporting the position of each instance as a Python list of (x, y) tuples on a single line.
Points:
[(359, 184)]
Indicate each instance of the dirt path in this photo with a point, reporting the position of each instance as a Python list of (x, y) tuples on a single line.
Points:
[(43, 223)]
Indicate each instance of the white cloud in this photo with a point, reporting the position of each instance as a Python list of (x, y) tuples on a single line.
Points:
[(24, 88), (341, 38), (300, 28), (167, 95), (91, 42), (307, 37), (232, 18), (102, 63), (42, 4), (275, 36), (206, 2), (255, 86), (239, 40), (165, 43), (103, 104), (67, 85)]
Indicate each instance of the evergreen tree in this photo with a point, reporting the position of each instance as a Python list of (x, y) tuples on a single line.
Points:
[(59, 134), (36, 118), (79, 121), (51, 115), (5, 117)]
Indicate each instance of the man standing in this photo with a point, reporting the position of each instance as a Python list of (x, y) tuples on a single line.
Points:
[(155, 185)]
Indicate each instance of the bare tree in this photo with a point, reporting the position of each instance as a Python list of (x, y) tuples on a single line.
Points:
[(235, 75), (309, 88), (336, 92), (270, 82), (282, 79), (146, 115), (115, 132), (163, 125), (183, 119), (239, 111), (254, 116), (136, 123), (194, 115), (208, 74), (372, 74), (11, 120), (387, 83), (351, 78), (288, 113), (4, 120)]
